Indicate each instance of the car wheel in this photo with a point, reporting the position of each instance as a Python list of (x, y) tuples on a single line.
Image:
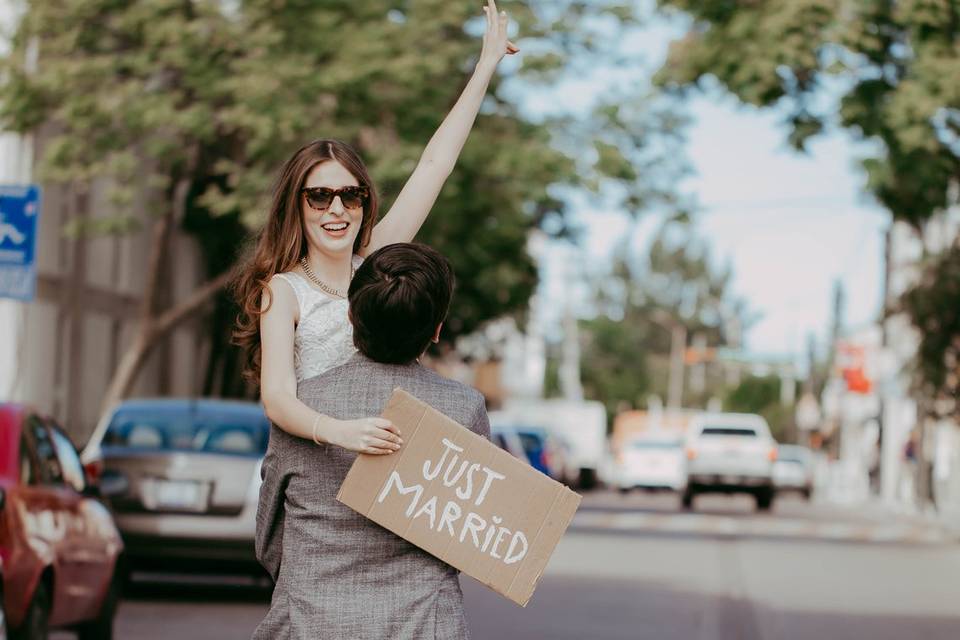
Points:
[(101, 628), (764, 500), (587, 479), (34, 626), (687, 499)]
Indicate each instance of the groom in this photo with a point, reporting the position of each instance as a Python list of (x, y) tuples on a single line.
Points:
[(338, 574)]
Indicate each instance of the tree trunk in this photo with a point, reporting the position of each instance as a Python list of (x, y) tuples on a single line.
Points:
[(150, 333), (155, 325)]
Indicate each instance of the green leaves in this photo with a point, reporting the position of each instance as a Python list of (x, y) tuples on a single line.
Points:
[(901, 62), (934, 310)]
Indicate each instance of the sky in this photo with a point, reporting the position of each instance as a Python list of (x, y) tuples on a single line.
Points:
[(790, 224)]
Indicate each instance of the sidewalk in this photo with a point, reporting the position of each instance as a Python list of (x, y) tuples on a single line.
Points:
[(948, 523), (839, 491), (834, 524), (843, 487)]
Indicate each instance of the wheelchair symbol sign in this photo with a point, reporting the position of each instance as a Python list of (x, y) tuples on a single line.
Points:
[(19, 214)]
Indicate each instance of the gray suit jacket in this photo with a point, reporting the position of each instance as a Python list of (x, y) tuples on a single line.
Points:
[(338, 574)]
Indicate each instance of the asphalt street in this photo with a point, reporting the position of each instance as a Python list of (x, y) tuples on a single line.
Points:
[(638, 567)]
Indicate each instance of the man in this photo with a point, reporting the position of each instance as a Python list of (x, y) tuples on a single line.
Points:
[(338, 574)]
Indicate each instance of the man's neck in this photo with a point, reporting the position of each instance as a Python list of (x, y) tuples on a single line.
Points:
[(361, 357)]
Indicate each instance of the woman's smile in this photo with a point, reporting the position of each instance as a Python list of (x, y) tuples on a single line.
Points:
[(336, 229)]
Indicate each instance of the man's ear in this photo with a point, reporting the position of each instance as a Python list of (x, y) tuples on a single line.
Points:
[(436, 336)]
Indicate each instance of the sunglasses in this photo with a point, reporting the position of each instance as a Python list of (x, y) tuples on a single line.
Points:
[(319, 198)]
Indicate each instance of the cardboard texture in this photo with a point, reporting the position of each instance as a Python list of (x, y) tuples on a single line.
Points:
[(462, 499)]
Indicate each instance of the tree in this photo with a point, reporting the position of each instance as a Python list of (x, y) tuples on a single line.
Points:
[(761, 395), (895, 66), (191, 106), (934, 308), (625, 355)]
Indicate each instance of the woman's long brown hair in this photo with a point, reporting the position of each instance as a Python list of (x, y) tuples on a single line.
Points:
[(280, 244)]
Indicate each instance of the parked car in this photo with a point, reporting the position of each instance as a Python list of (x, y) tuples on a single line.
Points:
[(3, 612), (730, 453), (563, 460), (793, 470), (508, 439), (652, 462), (543, 451), (548, 453), (59, 546), (183, 478)]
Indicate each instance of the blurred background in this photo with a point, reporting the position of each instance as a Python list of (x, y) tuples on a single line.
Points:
[(708, 263)]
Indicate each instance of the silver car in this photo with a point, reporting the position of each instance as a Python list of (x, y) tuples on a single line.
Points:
[(183, 478), (652, 462), (730, 453), (793, 470)]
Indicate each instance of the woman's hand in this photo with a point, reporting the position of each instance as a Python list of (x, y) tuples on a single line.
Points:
[(375, 436), (495, 43)]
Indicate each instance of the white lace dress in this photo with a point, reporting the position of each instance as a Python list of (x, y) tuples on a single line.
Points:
[(324, 336)]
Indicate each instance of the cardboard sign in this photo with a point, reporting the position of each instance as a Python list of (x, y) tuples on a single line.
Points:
[(463, 499)]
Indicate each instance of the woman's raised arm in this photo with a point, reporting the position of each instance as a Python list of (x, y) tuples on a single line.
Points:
[(411, 207)]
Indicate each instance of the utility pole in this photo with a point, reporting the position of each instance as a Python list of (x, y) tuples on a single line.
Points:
[(698, 373), (884, 467), (678, 348), (16, 168), (570, 384), (811, 384), (678, 345), (836, 324)]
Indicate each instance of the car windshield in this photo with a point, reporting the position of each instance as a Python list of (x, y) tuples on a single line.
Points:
[(226, 431), (728, 431)]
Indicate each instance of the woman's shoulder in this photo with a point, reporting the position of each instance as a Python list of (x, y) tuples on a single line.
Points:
[(293, 279), (286, 276), (292, 289)]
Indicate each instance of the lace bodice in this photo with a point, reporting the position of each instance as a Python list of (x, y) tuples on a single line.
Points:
[(324, 337)]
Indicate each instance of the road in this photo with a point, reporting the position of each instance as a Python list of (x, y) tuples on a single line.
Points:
[(637, 567)]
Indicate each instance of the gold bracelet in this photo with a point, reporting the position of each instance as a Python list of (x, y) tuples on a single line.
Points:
[(316, 423)]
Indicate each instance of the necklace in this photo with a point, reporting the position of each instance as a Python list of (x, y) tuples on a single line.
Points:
[(320, 283)]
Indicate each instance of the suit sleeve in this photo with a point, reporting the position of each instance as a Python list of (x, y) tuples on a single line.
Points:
[(270, 514), (481, 422)]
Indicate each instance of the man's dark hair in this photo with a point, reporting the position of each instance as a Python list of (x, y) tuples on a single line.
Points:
[(398, 297)]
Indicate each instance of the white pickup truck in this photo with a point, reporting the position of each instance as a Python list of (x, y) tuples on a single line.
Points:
[(730, 453)]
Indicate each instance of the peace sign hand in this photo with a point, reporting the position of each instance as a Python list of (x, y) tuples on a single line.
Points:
[(495, 42)]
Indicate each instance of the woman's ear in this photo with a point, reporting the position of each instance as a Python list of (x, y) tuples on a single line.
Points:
[(436, 336)]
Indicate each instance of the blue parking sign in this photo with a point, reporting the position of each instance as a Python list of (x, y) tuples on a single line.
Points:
[(19, 212)]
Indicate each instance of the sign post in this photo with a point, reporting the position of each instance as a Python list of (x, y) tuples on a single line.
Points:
[(19, 213)]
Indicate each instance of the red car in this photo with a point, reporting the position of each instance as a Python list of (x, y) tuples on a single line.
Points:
[(59, 546)]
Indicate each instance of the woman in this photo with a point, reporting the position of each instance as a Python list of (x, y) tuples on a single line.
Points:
[(293, 321)]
